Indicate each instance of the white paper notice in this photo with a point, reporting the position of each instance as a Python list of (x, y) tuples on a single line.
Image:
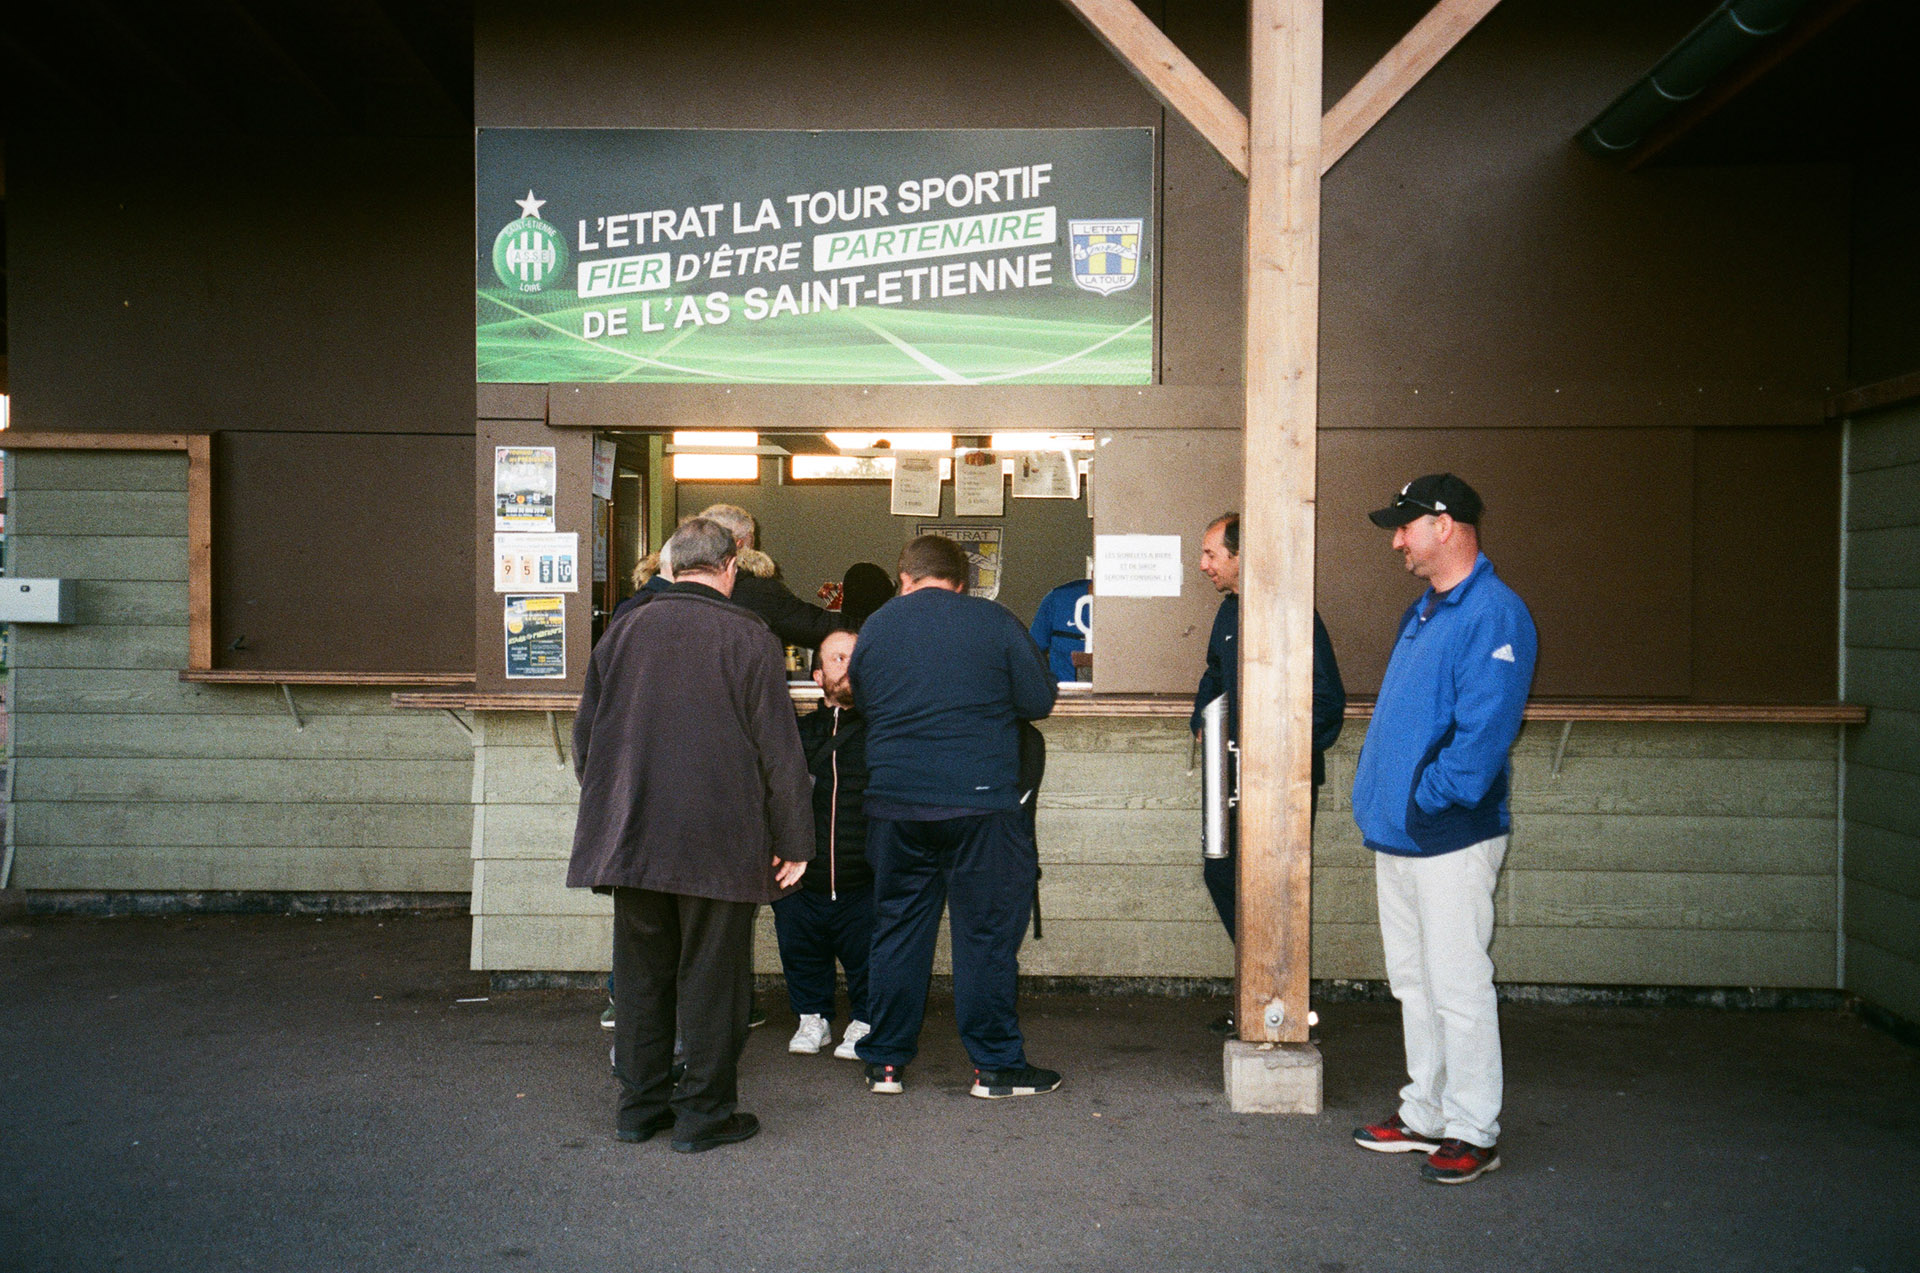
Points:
[(604, 456), (916, 486), (549, 563), (979, 490), (1137, 565), (1046, 475)]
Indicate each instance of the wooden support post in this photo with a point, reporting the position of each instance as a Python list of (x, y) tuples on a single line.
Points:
[(1276, 527), (200, 551)]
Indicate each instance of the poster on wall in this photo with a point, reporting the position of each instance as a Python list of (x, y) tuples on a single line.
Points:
[(602, 517), (547, 562), (536, 638), (978, 487), (916, 486), (899, 256), (523, 487), (605, 456), (984, 558), (1046, 475)]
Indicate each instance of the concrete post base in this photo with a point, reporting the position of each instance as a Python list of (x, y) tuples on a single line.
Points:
[(1272, 1078)]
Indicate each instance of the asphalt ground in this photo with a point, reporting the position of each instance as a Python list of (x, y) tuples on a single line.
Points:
[(282, 1093)]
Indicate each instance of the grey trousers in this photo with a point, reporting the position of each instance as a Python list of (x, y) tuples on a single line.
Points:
[(684, 958), (1436, 924)]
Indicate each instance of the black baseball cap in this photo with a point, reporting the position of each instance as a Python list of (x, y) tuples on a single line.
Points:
[(1434, 493)]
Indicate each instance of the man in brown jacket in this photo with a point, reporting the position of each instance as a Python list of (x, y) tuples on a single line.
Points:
[(694, 807)]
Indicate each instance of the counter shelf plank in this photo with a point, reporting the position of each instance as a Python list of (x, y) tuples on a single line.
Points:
[(1181, 705), (259, 676)]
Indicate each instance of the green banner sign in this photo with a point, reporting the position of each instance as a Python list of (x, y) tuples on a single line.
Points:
[(972, 256)]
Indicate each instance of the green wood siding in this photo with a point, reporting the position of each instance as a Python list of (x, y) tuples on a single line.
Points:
[(1883, 672), (127, 779), (1660, 854)]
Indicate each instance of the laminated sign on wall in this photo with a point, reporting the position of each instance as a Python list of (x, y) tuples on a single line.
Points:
[(550, 562), (898, 256), (1136, 565), (978, 488)]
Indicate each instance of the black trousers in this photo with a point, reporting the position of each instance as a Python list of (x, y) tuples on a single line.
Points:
[(1222, 875), (983, 869), (684, 958), (815, 930)]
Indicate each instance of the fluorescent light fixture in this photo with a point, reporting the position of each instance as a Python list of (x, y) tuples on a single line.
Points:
[(716, 468), (892, 441)]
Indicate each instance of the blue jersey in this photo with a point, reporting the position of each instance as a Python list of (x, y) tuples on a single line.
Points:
[(1054, 631)]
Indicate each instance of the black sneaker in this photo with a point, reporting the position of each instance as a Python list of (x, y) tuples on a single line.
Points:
[(1027, 1080), (733, 1129), (887, 1080), (1222, 1025), (646, 1129), (756, 1015)]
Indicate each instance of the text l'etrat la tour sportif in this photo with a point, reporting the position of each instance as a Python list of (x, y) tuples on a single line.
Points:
[(902, 257)]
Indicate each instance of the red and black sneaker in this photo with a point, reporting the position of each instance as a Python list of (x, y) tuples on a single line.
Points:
[(1393, 1137), (1456, 1162), (888, 1080)]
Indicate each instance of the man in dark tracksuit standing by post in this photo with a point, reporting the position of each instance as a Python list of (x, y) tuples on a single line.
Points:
[(944, 680), (1220, 563)]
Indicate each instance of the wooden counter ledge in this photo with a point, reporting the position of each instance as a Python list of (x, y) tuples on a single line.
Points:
[(1180, 706), (253, 676)]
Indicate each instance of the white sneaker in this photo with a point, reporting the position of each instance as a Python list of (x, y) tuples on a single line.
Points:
[(814, 1033), (856, 1031)]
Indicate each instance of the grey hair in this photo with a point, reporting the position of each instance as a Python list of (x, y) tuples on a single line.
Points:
[(701, 546), (738, 521)]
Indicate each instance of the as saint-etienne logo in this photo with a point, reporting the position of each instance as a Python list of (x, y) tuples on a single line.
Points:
[(528, 253)]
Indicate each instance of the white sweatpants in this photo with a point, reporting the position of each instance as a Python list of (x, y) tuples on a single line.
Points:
[(1436, 923)]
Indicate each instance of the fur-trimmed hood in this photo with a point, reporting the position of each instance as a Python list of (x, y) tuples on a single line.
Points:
[(755, 562)]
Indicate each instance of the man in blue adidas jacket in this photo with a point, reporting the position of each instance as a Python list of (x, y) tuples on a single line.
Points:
[(944, 681), (1430, 795)]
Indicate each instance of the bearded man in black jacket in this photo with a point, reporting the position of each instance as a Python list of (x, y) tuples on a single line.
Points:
[(831, 918)]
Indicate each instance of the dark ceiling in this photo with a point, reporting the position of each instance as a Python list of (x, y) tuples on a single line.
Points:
[(1850, 91), (345, 67)]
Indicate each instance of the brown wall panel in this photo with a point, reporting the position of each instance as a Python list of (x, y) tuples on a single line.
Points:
[(1160, 483), (1766, 569), (1478, 268), (181, 284), (1592, 527), (342, 552)]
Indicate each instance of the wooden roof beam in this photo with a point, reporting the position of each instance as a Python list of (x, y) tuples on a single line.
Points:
[(1184, 89), (1393, 76), (1168, 74)]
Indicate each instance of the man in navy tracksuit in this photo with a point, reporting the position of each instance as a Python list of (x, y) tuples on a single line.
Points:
[(1220, 563), (1430, 796), (944, 680), (831, 916)]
